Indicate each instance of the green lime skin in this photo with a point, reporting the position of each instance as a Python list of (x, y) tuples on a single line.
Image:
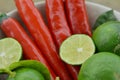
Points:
[(107, 37), (33, 64), (27, 74), (101, 66)]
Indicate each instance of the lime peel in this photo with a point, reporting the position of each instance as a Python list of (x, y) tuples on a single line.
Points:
[(102, 66), (110, 41), (33, 64)]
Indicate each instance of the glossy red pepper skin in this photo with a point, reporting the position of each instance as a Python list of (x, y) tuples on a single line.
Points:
[(39, 31), (13, 29), (77, 17), (59, 27), (57, 21)]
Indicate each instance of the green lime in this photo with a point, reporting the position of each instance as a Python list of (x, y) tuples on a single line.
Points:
[(101, 66), (10, 51), (27, 74), (33, 64), (107, 37), (76, 49)]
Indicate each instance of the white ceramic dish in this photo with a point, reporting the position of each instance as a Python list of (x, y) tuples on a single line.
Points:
[(93, 9)]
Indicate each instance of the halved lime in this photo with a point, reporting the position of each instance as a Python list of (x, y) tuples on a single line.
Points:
[(76, 49), (101, 66), (10, 51)]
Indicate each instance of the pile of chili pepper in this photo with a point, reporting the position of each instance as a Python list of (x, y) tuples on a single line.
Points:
[(64, 19)]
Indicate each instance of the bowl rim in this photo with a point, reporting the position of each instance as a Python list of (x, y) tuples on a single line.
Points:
[(15, 10), (87, 2), (102, 6)]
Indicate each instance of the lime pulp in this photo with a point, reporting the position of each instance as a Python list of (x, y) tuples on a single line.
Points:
[(77, 49), (10, 52)]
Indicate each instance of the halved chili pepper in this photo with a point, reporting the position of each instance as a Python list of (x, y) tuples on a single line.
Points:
[(59, 27), (13, 29), (39, 31), (77, 17)]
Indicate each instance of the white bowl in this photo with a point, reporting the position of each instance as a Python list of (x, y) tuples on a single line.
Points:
[(93, 9)]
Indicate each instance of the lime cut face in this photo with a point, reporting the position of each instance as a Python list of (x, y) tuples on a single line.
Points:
[(77, 49), (10, 51)]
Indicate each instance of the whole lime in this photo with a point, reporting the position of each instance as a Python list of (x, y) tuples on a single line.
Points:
[(101, 66), (107, 37), (27, 74), (32, 69)]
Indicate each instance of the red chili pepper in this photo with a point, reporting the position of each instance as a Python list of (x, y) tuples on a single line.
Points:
[(77, 17), (58, 26), (57, 21), (39, 31), (13, 29)]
